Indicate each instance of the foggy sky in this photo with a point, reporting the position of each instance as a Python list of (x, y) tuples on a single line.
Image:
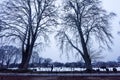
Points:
[(111, 6)]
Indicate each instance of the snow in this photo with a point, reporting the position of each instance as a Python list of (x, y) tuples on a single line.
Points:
[(66, 69), (70, 69)]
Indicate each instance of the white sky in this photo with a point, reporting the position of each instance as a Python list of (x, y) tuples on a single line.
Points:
[(111, 6)]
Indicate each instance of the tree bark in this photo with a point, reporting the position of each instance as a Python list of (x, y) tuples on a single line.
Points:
[(26, 55), (85, 56), (88, 63), (25, 61)]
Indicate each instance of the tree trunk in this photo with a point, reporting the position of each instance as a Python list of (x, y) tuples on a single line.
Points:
[(26, 55), (24, 63), (85, 56), (88, 63), (8, 63)]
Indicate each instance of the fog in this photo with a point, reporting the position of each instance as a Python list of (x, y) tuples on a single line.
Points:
[(110, 6)]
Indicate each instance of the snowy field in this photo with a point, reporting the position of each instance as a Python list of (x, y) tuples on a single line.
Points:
[(71, 69)]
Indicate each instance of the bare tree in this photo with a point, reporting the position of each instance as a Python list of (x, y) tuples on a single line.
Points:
[(47, 62), (2, 57), (34, 58), (84, 24), (118, 59), (28, 22), (8, 54)]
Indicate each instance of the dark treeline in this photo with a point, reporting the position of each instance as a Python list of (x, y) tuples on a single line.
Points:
[(47, 63), (9, 58)]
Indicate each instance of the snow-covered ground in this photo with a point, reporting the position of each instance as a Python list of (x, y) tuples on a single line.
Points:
[(70, 69)]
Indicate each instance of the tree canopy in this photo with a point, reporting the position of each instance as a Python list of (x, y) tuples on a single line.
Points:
[(85, 25)]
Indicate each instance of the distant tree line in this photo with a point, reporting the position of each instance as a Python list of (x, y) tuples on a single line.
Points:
[(9, 58)]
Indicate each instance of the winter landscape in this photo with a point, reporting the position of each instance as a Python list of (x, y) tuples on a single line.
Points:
[(59, 40)]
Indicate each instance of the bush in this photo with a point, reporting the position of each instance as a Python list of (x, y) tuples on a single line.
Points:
[(98, 70), (114, 70), (107, 70)]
